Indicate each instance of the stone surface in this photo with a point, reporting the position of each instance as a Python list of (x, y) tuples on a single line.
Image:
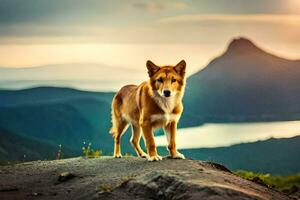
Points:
[(127, 178)]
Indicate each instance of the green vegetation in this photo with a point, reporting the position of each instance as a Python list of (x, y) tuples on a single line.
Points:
[(289, 185), (104, 188), (88, 152), (128, 154), (59, 154)]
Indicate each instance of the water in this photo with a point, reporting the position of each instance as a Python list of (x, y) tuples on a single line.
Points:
[(218, 135)]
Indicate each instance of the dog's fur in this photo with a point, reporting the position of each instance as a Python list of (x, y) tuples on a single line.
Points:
[(150, 106)]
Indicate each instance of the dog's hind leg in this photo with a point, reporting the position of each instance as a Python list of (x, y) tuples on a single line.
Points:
[(120, 127), (135, 141)]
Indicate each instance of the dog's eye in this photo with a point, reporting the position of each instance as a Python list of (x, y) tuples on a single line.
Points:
[(160, 80), (173, 80)]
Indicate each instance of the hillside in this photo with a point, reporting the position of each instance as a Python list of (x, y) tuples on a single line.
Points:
[(245, 83), (48, 95), (274, 156), (127, 178), (15, 148), (58, 116)]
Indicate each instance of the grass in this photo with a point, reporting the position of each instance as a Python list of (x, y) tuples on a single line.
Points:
[(104, 188), (88, 152), (59, 154), (287, 184)]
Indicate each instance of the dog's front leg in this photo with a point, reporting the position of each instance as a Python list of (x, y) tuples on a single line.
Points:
[(170, 131), (150, 143)]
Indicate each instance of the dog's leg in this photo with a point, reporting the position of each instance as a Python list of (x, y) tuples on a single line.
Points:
[(150, 143), (121, 127), (135, 141), (170, 131)]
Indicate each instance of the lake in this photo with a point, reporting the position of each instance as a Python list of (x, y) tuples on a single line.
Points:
[(218, 135)]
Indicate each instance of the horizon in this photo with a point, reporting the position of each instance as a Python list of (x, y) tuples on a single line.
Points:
[(98, 77)]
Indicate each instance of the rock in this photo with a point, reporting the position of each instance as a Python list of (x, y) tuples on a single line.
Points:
[(129, 178), (8, 188), (65, 176), (35, 194), (169, 185)]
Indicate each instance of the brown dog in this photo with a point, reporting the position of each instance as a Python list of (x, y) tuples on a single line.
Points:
[(153, 104)]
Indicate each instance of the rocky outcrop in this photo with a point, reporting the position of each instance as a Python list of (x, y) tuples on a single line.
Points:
[(127, 178)]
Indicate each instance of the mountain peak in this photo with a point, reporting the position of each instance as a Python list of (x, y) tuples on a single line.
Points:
[(242, 45)]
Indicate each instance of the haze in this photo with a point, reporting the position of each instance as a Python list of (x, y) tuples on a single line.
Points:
[(127, 33)]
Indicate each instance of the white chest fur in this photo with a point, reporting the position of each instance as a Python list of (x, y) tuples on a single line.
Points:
[(166, 104), (165, 118)]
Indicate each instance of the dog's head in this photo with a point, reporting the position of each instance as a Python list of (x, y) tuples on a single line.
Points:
[(168, 81)]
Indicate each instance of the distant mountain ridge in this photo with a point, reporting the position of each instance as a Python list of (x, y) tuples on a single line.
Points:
[(16, 148), (48, 94), (68, 71), (58, 116), (87, 76), (245, 84), (274, 156)]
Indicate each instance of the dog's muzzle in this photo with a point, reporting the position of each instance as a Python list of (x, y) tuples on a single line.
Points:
[(167, 93)]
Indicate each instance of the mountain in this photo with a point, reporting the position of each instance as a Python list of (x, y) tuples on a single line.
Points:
[(274, 156), (48, 95), (245, 83), (16, 148), (86, 76), (128, 178), (58, 116), (59, 123)]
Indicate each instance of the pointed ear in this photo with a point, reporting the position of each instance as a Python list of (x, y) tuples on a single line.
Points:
[(152, 68), (180, 68)]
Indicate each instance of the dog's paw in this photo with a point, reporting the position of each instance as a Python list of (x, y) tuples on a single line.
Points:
[(154, 158), (118, 155), (178, 156), (143, 155)]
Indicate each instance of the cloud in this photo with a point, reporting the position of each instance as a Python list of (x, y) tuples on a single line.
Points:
[(143, 21), (79, 12), (120, 12), (214, 28), (156, 6), (255, 18), (178, 29)]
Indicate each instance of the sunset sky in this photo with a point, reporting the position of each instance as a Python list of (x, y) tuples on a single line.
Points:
[(126, 33)]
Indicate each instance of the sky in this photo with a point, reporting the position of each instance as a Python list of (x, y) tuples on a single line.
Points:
[(126, 33)]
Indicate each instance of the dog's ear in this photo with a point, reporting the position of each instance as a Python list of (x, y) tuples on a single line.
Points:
[(152, 68), (180, 68)]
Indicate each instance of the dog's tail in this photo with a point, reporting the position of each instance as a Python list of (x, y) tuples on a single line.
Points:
[(113, 130), (115, 115)]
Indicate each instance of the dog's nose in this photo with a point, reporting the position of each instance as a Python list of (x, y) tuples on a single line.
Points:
[(167, 93)]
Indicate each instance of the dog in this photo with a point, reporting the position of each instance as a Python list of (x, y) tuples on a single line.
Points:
[(153, 104)]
